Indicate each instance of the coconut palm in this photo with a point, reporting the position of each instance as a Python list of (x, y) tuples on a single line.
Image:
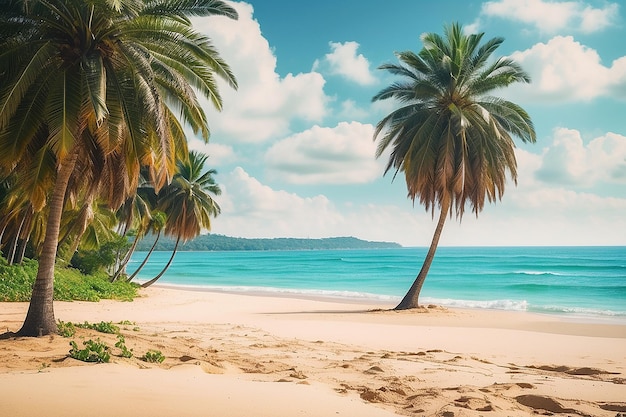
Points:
[(188, 203), (155, 227), (104, 87), (449, 135)]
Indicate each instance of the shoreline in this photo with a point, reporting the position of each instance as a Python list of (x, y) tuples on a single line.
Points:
[(382, 303), (238, 354)]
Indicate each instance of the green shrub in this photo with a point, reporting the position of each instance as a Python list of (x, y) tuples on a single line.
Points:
[(66, 329), (153, 356), (16, 281), (92, 261), (16, 284), (121, 344), (94, 351), (102, 327)]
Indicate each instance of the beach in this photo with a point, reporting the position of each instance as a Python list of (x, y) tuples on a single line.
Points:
[(263, 355)]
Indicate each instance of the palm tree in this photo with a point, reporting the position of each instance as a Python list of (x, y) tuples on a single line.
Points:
[(450, 137), (156, 226), (74, 74), (188, 203)]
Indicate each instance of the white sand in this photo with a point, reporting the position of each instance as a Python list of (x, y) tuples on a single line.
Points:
[(238, 355)]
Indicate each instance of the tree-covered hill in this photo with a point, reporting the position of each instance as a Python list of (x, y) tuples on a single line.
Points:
[(212, 242)]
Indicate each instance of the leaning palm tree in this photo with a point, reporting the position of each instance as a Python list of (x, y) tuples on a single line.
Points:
[(450, 137), (155, 227), (104, 86), (188, 203)]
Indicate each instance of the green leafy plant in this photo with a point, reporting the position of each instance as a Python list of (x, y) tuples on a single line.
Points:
[(121, 344), (102, 327), (94, 351), (16, 284), (153, 356), (66, 329)]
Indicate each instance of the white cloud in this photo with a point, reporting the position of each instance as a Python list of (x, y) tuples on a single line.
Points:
[(554, 16), (563, 69), (322, 155), (344, 61), (351, 111), (544, 211), (218, 154), (252, 209), (265, 103), (569, 161)]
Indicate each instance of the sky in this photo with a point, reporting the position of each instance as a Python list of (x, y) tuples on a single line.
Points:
[(294, 149)]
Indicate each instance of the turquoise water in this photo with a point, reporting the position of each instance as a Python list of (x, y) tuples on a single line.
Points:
[(583, 281)]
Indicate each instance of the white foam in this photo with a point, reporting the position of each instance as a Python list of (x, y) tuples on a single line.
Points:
[(512, 305)]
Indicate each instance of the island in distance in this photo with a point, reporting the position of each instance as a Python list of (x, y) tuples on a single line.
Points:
[(212, 242)]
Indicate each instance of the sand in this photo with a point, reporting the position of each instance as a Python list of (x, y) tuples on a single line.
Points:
[(253, 355)]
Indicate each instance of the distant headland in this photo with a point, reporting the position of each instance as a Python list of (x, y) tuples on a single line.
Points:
[(213, 242)]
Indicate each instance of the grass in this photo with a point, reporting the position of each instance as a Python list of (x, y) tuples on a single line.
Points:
[(16, 283)]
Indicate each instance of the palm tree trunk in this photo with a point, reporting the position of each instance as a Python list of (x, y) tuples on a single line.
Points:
[(22, 251), (122, 264), (145, 260), (153, 280), (40, 317), (82, 226), (411, 298), (11, 255)]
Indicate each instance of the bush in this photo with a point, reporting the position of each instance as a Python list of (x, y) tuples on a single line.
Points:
[(153, 356), (16, 284), (94, 351), (121, 344), (16, 281), (66, 329), (92, 261), (102, 327)]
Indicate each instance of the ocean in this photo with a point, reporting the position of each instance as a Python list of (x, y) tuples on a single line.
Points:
[(572, 281)]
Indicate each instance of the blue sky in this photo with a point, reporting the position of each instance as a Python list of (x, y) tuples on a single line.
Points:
[(293, 146)]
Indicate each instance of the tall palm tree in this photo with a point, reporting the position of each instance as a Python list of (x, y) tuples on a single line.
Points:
[(188, 203), (450, 137), (104, 86)]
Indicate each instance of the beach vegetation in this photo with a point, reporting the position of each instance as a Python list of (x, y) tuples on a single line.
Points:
[(66, 328), (93, 93), (102, 327), (16, 284), (449, 135), (121, 344), (153, 356), (93, 351), (101, 258)]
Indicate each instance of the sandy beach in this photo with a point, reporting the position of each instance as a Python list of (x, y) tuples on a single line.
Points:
[(252, 355)]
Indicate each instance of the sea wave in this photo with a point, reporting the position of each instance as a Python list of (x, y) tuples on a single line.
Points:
[(355, 296), (512, 305), (578, 311)]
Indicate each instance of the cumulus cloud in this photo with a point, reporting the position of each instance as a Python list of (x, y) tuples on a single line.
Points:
[(564, 69), (219, 154), (554, 16), (344, 61), (253, 209), (344, 154), (265, 103), (569, 161)]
